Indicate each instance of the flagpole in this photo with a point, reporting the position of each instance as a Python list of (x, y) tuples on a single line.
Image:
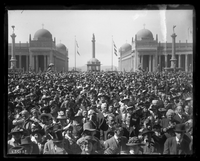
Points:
[(112, 56), (75, 54)]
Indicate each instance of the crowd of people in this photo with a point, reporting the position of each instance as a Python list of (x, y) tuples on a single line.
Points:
[(100, 113)]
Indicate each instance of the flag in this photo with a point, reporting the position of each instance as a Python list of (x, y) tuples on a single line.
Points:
[(115, 48)]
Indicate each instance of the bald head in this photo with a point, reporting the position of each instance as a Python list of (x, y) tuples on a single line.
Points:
[(179, 109)]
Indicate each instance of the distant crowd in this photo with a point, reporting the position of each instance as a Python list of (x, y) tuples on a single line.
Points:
[(133, 113)]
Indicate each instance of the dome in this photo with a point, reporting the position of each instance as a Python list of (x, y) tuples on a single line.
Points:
[(93, 61), (144, 34), (42, 34), (125, 47), (61, 47)]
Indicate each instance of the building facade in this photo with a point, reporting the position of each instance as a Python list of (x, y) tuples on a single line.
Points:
[(147, 53), (39, 52)]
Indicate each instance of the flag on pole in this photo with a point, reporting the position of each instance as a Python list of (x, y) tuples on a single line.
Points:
[(115, 48), (77, 47)]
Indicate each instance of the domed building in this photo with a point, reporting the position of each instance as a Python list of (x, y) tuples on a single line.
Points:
[(93, 65), (148, 54), (40, 52)]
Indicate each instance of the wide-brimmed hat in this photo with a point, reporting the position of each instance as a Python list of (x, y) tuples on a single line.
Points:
[(87, 139), (134, 141), (16, 129), (125, 99), (61, 115), (146, 131), (188, 99), (179, 128), (45, 115), (37, 129)]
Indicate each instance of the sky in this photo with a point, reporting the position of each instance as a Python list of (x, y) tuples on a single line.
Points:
[(107, 25)]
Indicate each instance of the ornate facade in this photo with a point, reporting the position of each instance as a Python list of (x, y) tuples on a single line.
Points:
[(39, 53), (147, 53)]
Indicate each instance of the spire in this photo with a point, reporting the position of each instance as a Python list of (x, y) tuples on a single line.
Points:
[(42, 26), (144, 25), (29, 38)]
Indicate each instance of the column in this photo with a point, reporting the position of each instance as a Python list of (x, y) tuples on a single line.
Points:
[(20, 61), (149, 63), (142, 60), (31, 60), (13, 58), (36, 63), (165, 61), (51, 57), (27, 63), (154, 63), (45, 63), (186, 62), (179, 61)]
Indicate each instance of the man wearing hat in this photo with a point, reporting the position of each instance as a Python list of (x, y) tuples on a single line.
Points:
[(150, 146), (118, 141), (38, 136), (56, 145), (178, 144), (135, 145), (87, 145), (16, 133), (70, 136), (179, 118), (90, 130)]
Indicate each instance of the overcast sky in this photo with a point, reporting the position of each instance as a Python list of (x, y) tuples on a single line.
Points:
[(64, 25)]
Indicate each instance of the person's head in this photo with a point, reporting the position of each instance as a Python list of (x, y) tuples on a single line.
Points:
[(170, 114), (87, 144), (128, 118), (111, 120), (92, 115), (179, 109), (179, 130), (110, 109), (187, 109), (37, 136), (25, 114), (68, 132), (17, 136), (119, 131), (104, 107)]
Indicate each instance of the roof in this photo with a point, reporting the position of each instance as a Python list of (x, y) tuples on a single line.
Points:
[(42, 34), (144, 34)]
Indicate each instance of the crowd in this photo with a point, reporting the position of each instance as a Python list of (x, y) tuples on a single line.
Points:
[(100, 113)]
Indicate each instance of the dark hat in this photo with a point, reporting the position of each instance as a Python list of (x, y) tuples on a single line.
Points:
[(156, 126), (134, 141), (125, 99), (57, 136), (87, 139), (37, 129), (179, 128), (16, 130), (26, 140), (162, 109), (146, 131), (45, 115), (45, 109)]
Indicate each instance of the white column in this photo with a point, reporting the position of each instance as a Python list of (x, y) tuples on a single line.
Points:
[(31, 60), (142, 60), (179, 61), (165, 61), (36, 63), (27, 63), (51, 57), (149, 63), (45, 62), (154, 62), (186, 62)]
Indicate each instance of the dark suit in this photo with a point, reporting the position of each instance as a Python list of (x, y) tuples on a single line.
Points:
[(129, 131), (118, 146), (171, 147), (179, 120)]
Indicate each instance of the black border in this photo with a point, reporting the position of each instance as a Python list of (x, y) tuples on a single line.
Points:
[(96, 6)]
